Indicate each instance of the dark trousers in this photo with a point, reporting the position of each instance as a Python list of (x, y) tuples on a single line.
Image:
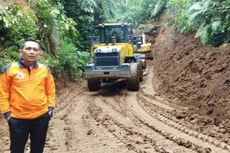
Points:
[(21, 129)]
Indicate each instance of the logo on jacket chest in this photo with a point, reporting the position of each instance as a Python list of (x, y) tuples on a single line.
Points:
[(20, 75)]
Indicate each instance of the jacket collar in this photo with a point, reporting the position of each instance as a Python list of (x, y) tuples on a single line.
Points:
[(22, 65)]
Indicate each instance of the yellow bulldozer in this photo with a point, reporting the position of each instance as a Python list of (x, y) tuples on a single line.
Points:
[(143, 48), (112, 51)]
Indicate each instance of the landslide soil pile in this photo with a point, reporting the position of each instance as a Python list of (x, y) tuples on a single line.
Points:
[(194, 75)]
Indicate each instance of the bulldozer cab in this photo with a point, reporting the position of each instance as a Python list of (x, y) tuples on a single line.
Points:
[(137, 41), (111, 33)]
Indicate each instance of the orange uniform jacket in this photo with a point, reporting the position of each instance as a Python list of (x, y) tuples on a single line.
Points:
[(26, 92)]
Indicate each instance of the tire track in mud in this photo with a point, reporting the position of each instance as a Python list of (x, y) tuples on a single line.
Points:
[(141, 139), (60, 131), (171, 120), (178, 112), (68, 98), (183, 135), (116, 103), (164, 109), (75, 131)]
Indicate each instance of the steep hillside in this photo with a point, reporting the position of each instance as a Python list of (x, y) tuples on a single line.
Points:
[(195, 75)]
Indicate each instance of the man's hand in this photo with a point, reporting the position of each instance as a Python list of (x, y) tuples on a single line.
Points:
[(7, 115), (50, 111)]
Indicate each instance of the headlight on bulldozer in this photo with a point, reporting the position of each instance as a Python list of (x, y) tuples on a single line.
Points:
[(97, 51), (114, 50)]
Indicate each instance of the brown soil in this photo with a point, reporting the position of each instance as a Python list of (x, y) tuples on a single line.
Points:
[(195, 75)]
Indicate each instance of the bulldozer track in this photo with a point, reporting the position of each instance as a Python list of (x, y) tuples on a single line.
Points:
[(129, 135), (68, 99), (169, 121), (166, 113)]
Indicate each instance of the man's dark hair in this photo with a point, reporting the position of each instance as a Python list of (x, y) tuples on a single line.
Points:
[(26, 40)]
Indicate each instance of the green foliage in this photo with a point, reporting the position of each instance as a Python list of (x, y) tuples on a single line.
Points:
[(71, 60), (108, 8), (138, 12), (210, 18), (68, 63), (4, 61), (53, 63), (175, 14), (60, 30), (12, 53), (158, 8), (16, 25), (82, 13), (57, 34), (128, 12), (54, 25), (8, 55), (47, 24), (87, 6), (65, 25)]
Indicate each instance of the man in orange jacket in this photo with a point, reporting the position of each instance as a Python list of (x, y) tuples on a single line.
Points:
[(27, 99)]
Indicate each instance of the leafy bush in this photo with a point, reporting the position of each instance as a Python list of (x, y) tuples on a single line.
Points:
[(8, 55), (209, 18), (176, 14), (68, 63), (4, 61), (53, 63), (12, 52), (158, 8), (16, 25)]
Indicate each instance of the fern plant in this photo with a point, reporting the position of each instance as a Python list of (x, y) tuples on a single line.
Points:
[(16, 25), (209, 18), (159, 7)]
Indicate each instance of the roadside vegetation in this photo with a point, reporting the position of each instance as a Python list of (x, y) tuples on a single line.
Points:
[(209, 19), (63, 26)]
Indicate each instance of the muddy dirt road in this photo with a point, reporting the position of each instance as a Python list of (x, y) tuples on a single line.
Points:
[(116, 120)]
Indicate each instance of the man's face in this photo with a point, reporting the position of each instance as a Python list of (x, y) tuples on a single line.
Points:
[(30, 51)]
